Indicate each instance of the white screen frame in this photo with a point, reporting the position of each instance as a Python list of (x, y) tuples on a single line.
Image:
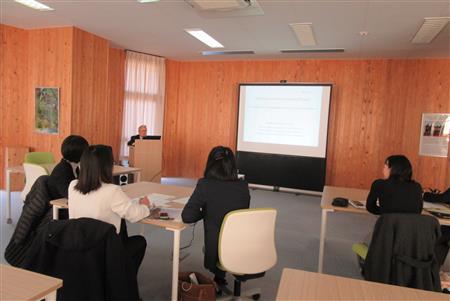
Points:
[(284, 149)]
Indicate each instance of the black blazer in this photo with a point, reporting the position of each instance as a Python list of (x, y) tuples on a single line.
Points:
[(211, 201), (133, 138), (394, 196), (59, 180)]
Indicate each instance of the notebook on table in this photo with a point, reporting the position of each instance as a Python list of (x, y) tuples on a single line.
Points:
[(357, 204)]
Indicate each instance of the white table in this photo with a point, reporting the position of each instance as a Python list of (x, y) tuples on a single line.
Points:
[(17, 284), (329, 193), (144, 188), (117, 170), (301, 285)]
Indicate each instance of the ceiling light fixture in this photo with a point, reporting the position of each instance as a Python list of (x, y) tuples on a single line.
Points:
[(147, 1), (204, 38), (34, 5), (430, 28), (304, 33)]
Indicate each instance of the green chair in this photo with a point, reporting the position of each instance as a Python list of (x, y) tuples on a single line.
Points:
[(360, 249), (39, 158)]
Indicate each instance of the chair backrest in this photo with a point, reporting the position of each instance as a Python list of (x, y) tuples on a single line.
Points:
[(88, 256), (39, 158), (247, 241), (402, 251), (32, 172)]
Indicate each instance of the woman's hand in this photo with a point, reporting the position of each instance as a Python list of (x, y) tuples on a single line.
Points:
[(145, 201)]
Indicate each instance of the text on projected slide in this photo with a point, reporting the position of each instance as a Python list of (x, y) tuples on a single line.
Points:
[(291, 118)]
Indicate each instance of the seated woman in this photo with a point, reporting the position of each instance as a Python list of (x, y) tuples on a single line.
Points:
[(217, 193), (93, 195), (397, 192)]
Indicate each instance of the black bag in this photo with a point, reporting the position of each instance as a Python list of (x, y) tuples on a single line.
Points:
[(205, 290), (435, 196)]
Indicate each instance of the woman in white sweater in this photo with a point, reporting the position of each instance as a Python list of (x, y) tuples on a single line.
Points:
[(93, 195)]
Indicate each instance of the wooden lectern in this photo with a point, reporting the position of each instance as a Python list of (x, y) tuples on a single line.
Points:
[(147, 154)]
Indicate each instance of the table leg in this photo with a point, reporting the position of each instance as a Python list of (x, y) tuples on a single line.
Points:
[(8, 197), (51, 296), (137, 177), (175, 263), (323, 232), (55, 212)]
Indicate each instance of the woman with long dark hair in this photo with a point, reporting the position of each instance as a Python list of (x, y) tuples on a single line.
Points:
[(93, 195), (217, 193), (397, 192)]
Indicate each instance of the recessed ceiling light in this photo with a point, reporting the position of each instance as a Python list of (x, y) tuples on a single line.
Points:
[(147, 1), (430, 28), (34, 5), (204, 38), (304, 33)]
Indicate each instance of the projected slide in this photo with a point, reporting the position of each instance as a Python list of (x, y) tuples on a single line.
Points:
[(284, 119), (291, 119)]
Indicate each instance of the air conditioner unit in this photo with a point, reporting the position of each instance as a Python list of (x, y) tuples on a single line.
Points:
[(220, 5)]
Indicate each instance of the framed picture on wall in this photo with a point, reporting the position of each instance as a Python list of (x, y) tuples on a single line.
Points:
[(46, 116), (434, 134)]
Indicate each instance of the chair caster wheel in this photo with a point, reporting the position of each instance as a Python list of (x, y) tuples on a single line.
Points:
[(256, 296)]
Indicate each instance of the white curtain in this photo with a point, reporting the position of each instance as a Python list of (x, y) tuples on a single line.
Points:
[(145, 77)]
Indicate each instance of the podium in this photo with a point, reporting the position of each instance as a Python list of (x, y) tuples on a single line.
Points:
[(147, 155)]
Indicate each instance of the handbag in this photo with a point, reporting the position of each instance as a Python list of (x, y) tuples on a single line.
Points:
[(205, 290), (435, 196)]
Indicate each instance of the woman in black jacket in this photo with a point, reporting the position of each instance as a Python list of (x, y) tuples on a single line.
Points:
[(397, 192), (217, 193)]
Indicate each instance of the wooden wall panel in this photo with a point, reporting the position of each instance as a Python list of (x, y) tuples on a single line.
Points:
[(50, 65), (88, 72), (375, 112), (116, 93), (98, 89), (13, 79)]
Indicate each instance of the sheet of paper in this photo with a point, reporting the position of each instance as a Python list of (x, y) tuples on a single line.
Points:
[(182, 201), (428, 205), (159, 200)]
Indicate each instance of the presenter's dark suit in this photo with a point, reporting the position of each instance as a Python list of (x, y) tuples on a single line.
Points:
[(133, 138), (211, 201)]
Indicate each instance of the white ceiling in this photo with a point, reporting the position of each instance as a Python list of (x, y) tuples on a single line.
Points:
[(157, 28)]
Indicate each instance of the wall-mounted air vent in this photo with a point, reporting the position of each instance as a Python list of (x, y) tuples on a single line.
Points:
[(323, 50), (235, 52), (222, 5), (225, 8)]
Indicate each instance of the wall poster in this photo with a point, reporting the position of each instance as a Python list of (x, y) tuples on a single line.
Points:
[(46, 110), (434, 135)]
